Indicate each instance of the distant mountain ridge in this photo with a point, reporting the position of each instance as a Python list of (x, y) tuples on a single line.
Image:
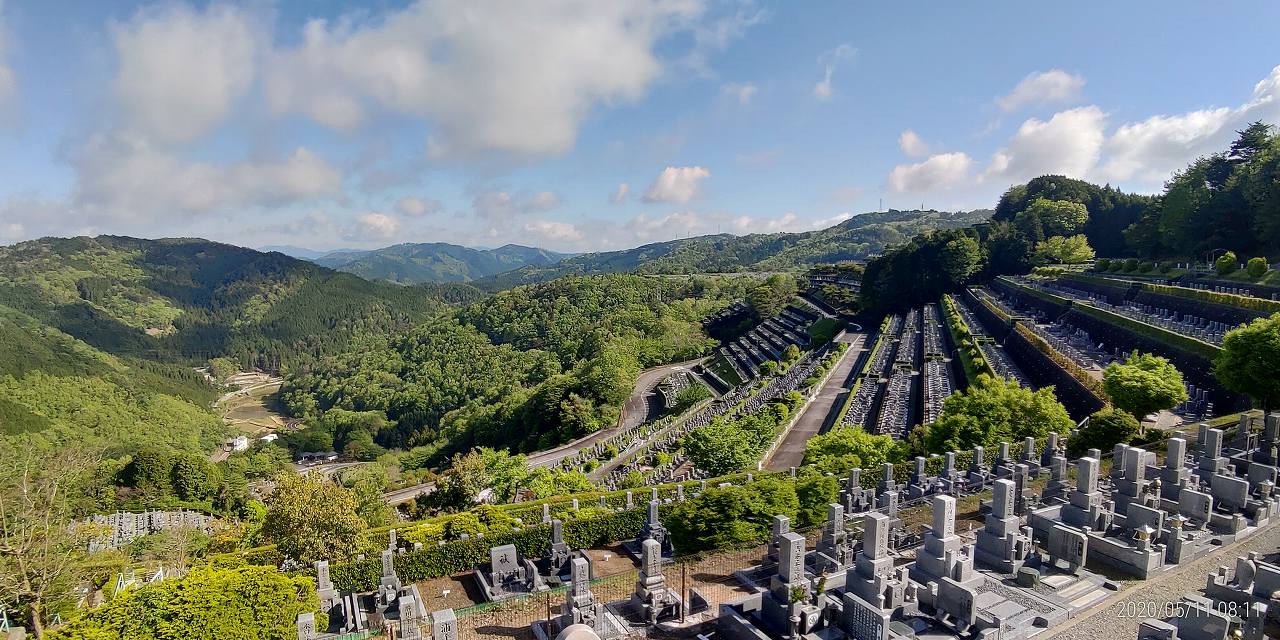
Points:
[(857, 238), (415, 263)]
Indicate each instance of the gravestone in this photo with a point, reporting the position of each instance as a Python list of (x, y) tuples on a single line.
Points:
[(410, 619), (307, 626), (444, 625), (874, 578), (558, 554), (1002, 543), (652, 597), (1050, 449), (324, 586), (1067, 545), (834, 552), (1211, 460), (1056, 488), (1175, 471), (389, 583), (781, 525), (943, 553)]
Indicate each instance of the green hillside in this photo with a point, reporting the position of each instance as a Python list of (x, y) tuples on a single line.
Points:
[(857, 238), (100, 337), (189, 300), (436, 262), (524, 369)]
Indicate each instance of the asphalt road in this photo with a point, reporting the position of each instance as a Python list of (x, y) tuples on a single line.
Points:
[(816, 413), (634, 412)]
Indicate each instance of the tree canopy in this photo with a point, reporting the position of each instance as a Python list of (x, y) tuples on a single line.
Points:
[(311, 519), (842, 449), (1144, 384), (1063, 250), (1248, 360), (994, 410)]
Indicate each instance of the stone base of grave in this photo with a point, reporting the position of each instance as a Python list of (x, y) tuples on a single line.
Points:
[(610, 626), (1118, 554), (1020, 613), (1072, 592), (499, 593), (633, 549)]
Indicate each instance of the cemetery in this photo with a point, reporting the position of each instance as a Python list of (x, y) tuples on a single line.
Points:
[(1035, 561)]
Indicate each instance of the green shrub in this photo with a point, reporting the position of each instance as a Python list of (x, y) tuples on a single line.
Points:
[(1226, 263), (1130, 264), (1146, 267), (1257, 267), (1102, 264)]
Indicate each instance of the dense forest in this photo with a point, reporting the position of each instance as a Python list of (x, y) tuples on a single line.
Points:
[(182, 299), (523, 369), (857, 238), (436, 262)]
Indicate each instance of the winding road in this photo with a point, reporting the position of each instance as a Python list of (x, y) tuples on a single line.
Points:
[(634, 411)]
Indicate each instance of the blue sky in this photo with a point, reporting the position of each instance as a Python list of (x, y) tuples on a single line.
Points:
[(586, 125)]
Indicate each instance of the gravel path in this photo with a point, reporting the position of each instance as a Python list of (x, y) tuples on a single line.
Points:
[(1110, 623)]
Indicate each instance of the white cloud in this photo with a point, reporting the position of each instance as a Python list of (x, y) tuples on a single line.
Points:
[(414, 206), (1069, 143), (488, 75), (676, 184), (680, 224), (742, 93), (1152, 149), (126, 178), (373, 226), (499, 206), (912, 144), (181, 72), (823, 90), (552, 231), (832, 221), (749, 224), (619, 195), (1046, 87), (938, 172)]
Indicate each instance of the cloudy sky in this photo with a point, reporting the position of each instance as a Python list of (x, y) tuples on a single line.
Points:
[(594, 124)]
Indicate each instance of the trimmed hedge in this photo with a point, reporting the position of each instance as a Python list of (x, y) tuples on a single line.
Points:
[(458, 556), (1215, 297), (970, 355)]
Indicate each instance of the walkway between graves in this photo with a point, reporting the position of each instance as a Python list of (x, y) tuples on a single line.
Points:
[(816, 413)]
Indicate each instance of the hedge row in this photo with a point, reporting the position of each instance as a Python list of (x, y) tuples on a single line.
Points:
[(1215, 297), (1093, 385), (962, 337), (458, 556)]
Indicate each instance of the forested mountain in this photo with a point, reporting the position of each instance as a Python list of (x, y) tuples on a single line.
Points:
[(99, 337), (856, 238), (523, 369), (436, 262), (190, 300)]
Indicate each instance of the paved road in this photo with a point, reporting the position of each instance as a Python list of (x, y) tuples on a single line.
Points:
[(816, 413), (400, 496), (634, 412)]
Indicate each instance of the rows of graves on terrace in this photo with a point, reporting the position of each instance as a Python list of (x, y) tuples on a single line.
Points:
[(1184, 324), (766, 341)]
